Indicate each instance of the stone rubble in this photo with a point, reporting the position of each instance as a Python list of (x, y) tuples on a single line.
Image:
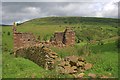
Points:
[(73, 64)]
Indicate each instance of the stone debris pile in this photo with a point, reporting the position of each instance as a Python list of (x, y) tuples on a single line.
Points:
[(42, 56), (73, 64)]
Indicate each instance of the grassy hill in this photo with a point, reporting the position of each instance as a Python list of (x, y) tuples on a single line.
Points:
[(103, 54), (73, 20)]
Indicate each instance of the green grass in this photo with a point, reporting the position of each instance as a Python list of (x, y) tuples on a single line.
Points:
[(108, 47), (20, 68), (41, 30), (104, 64), (7, 40), (24, 68), (73, 20), (66, 51), (103, 57), (0, 66)]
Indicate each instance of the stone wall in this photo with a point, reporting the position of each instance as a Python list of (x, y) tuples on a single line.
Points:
[(58, 36), (22, 40), (69, 37), (64, 38), (42, 56)]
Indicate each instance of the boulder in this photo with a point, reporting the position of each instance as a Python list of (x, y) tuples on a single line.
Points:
[(80, 64), (68, 70), (88, 66), (92, 75), (104, 76), (81, 59), (72, 58), (80, 75)]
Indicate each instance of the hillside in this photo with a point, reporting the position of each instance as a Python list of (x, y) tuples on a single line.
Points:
[(103, 53), (73, 20)]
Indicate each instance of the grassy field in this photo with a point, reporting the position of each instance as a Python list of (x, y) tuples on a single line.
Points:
[(103, 54)]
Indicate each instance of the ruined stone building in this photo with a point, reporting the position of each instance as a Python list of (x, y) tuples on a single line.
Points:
[(67, 37), (28, 39), (26, 45)]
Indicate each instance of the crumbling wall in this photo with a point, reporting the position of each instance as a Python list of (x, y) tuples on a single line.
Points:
[(58, 36), (64, 38), (69, 37), (42, 56), (23, 39)]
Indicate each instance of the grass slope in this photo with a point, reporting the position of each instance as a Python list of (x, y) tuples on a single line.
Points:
[(104, 57)]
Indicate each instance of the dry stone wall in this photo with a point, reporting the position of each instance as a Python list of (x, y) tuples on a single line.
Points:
[(42, 56)]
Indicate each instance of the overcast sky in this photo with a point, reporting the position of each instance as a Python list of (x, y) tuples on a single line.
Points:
[(23, 11)]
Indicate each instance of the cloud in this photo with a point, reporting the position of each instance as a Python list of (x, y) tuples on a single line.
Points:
[(109, 10), (60, 0), (32, 10), (22, 11), (47, 0), (0, 12), (119, 10)]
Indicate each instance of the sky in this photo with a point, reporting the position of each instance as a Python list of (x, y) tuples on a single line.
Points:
[(24, 10)]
